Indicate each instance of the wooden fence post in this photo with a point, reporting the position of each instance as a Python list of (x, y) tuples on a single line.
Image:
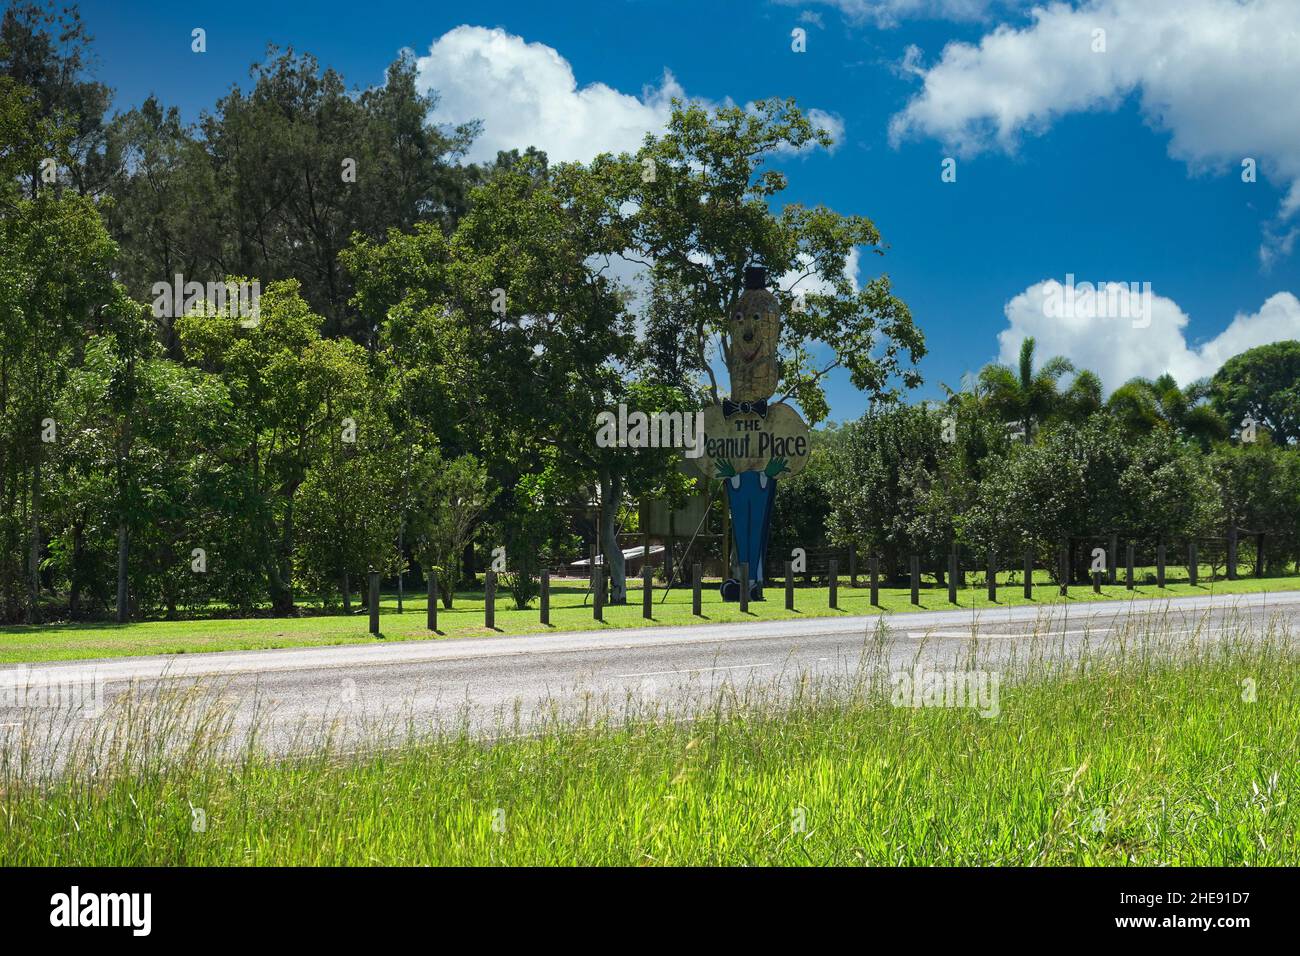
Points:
[(952, 576), (1259, 555), (744, 587), (1128, 566), (1160, 565), (431, 615), (916, 580), (647, 591), (789, 586), (1064, 569), (873, 564), (1029, 574), (1232, 553), (833, 573), (490, 599), (992, 582), (853, 565), (374, 602), (598, 593), (696, 573), (1193, 563), (546, 596), (1096, 582)]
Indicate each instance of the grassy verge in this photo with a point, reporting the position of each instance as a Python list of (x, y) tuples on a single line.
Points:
[(1135, 759), (570, 611)]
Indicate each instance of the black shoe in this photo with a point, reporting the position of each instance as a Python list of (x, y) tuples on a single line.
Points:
[(730, 590)]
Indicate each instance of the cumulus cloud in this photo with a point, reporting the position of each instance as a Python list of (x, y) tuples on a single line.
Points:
[(1218, 76), (1148, 342), (526, 95)]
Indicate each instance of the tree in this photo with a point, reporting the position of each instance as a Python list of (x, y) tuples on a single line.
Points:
[(519, 295), (48, 53), (452, 496), (1142, 405), (881, 469), (1263, 383), (294, 394), (346, 521), (1023, 395), (162, 216), (706, 214), (132, 487), (801, 512), (1258, 487), (300, 164), (1090, 480), (55, 274)]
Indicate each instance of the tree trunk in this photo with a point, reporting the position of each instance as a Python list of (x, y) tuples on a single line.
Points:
[(123, 547), (281, 565), (447, 587), (611, 494), (74, 579)]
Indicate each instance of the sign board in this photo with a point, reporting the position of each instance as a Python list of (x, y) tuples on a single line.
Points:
[(750, 441)]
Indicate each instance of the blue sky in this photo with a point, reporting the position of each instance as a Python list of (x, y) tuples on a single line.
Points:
[(1118, 165)]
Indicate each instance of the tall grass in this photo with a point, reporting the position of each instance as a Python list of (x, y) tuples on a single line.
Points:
[(1147, 748)]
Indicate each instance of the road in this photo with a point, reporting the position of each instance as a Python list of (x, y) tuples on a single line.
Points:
[(370, 693)]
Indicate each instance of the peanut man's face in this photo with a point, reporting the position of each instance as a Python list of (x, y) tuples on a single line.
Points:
[(754, 328)]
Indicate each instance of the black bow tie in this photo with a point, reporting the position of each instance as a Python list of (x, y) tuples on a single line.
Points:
[(758, 408)]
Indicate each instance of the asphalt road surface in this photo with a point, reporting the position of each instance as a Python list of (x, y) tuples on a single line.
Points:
[(375, 694)]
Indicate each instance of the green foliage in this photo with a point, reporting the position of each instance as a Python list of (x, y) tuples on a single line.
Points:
[(1141, 405), (882, 468), (708, 212), (802, 509), (450, 497), (1264, 383), (1030, 397), (1258, 486)]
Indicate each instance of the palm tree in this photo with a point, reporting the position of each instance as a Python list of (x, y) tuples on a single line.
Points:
[(1142, 405), (1027, 396)]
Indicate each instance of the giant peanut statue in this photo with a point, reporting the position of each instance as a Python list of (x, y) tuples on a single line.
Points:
[(750, 441)]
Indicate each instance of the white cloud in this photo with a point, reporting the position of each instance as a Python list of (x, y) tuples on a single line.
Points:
[(1277, 245), (796, 279), (1117, 350), (1219, 76), (526, 95)]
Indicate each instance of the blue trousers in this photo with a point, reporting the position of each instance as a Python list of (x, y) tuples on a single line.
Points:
[(749, 496)]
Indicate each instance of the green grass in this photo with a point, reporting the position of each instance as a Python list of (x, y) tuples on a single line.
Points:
[(1149, 756), (32, 644)]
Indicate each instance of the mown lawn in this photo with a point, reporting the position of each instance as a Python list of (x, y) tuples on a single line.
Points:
[(1130, 760), (570, 611)]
